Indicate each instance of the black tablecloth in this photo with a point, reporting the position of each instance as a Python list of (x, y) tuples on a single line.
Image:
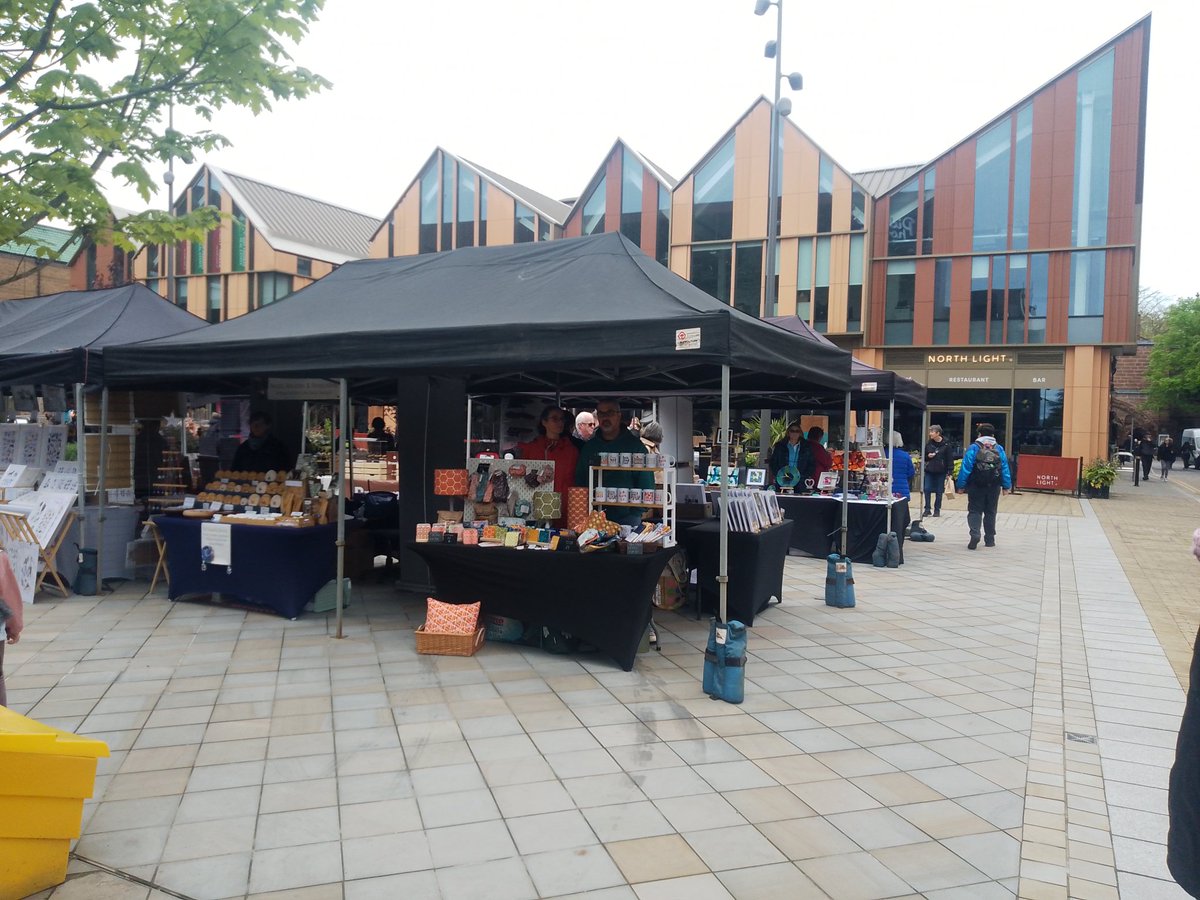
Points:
[(819, 521), (275, 567), (602, 598), (755, 566)]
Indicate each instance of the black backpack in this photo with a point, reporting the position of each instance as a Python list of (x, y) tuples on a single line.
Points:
[(986, 471)]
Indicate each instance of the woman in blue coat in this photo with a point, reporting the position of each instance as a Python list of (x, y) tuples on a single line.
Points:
[(903, 469)]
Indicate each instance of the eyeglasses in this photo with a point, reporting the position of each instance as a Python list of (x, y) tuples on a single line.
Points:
[(605, 413)]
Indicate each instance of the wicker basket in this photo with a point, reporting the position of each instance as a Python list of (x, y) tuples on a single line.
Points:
[(439, 644)]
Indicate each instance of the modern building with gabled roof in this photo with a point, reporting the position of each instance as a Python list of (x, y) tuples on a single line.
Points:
[(452, 203), (630, 194), (271, 241), (719, 225)]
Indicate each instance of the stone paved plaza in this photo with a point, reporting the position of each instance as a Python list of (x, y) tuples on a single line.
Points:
[(983, 724)]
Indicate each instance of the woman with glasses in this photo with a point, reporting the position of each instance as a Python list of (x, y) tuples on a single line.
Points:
[(554, 442)]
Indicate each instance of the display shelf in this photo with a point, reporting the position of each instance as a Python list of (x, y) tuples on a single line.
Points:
[(596, 480)]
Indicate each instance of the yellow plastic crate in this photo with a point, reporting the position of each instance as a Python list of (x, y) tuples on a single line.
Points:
[(45, 775)]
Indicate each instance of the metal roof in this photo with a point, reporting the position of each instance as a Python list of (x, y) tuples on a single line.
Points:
[(879, 181), (544, 206), (298, 224), (61, 243), (662, 177)]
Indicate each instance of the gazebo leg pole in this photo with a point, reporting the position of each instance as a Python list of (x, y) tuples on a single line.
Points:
[(846, 477), (340, 499), (723, 561)]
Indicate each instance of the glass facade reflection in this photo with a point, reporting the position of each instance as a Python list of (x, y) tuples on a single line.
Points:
[(712, 201), (1093, 142), (902, 221), (712, 269), (748, 272), (631, 197), (593, 208), (820, 319), (991, 188), (901, 292)]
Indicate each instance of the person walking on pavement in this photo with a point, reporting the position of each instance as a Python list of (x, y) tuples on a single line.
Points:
[(1145, 451), (938, 458), (1183, 789), (984, 475), (1166, 458)]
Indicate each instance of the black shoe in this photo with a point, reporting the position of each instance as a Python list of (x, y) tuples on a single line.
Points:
[(989, 543), (937, 514), (973, 543), (926, 512)]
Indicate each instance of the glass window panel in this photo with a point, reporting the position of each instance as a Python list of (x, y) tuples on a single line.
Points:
[(854, 307), (898, 312), (304, 266), (997, 303), (747, 287), (902, 221), (979, 299), (214, 298), (631, 197), (712, 201), (214, 191), (942, 270), (523, 225), (466, 208), (804, 279), (927, 214), (273, 286), (1086, 305), (825, 195), (429, 210), (662, 236), (857, 243), (1022, 166), (858, 209), (991, 187), (483, 195), (543, 229), (181, 288), (822, 268), (1093, 140), (593, 208), (820, 319), (1016, 299), (1037, 421), (821, 309), (1039, 297), (197, 258), (198, 195), (448, 180), (152, 257), (239, 239), (711, 270)]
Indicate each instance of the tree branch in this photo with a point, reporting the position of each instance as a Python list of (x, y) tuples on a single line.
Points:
[(40, 48)]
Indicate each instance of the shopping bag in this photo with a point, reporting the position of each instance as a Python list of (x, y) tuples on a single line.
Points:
[(949, 491), (725, 662)]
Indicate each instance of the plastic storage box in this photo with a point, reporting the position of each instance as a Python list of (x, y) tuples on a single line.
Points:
[(45, 775)]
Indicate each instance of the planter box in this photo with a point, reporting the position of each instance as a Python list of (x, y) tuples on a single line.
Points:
[(1094, 493)]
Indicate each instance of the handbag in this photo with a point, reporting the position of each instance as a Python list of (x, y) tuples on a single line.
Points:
[(486, 512), (949, 490)]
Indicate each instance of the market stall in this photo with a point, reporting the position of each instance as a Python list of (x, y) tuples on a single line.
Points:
[(275, 568), (51, 342), (589, 314)]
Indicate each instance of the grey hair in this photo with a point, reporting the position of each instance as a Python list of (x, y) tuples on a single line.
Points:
[(897, 439), (937, 428)]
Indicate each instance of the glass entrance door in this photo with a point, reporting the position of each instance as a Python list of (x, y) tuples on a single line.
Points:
[(959, 426)]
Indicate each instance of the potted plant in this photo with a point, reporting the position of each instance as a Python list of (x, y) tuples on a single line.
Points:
[(1098, 476)]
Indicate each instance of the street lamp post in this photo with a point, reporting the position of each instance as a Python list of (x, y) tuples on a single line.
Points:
[(779, 108), (169, 180)]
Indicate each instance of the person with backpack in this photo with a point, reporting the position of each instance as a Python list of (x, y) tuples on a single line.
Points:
[(984, 475)]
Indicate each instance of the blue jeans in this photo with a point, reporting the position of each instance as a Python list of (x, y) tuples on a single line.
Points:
[(935, 486)]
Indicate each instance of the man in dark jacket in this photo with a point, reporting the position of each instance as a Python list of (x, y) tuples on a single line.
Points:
[(1146, 455), (262, 451), (938, 459), (1183, 796)]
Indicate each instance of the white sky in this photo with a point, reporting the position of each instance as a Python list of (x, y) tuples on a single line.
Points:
[(538, 91)]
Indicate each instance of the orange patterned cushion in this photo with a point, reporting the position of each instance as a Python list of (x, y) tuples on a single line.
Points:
[(451, 618), (577, 505)]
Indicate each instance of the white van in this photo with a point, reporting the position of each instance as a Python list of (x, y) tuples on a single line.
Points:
[(1193, 435)]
